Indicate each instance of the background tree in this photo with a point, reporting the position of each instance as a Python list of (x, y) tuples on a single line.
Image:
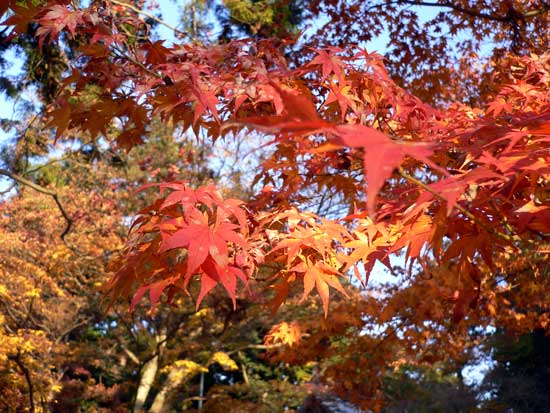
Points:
[(63, 351), (520, 374), (279, 18)]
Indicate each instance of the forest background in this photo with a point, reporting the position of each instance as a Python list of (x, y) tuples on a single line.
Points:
[(453, 123)]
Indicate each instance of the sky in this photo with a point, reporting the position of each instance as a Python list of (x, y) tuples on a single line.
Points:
[(7, 105)]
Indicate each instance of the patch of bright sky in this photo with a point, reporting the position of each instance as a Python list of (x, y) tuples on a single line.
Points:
[(171, 14), (8, 106)]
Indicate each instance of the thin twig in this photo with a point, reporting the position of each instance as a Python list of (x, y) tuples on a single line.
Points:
[(256, 347), (503, 219), (72, 328), (45, 165), (123, 55), (8, 189)]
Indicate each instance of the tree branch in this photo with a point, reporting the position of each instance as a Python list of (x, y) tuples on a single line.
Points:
[(456, 7), (148, 15), (123, 55), (463, 210), (27, 374), (130, 354), (45, 165), (256, 347), (509, 17), (72, 328), (42, 190)]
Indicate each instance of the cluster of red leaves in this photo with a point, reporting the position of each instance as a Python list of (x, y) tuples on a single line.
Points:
[(433, 51), (460, 185), (189, 232)]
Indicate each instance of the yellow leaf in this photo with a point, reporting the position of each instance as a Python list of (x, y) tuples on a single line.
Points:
[(223, 360)]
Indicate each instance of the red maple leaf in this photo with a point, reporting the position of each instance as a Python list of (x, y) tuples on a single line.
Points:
[(57, 19)]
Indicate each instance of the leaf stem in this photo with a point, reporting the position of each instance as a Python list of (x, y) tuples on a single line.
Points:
[(459, 207)]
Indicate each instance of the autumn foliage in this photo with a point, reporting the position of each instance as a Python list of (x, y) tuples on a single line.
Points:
[(354, 170)]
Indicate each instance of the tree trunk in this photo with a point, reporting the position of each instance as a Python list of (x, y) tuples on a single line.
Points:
[(176, 377), (201, 391), (148, 373)]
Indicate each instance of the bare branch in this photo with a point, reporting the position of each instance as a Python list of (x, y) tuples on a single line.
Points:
[(72, 328), (256, 347), (42, 190), (509, 17), (130, 354)]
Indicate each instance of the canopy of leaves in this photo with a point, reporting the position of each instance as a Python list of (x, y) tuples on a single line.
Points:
[(451, 175)]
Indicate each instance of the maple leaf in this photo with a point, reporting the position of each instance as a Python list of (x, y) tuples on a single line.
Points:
[(415, 236), (499, 105), (342, 93), (156, 52), (288, 334), (4, 8), (328, 62), (300, 115), (205, 99), (57, 19), (362, 248), (208, 253), (268, 93), (382, 155), (155, 292), (298, 106), (207, 239), (320, 276), (464, 299), (284, 125), (22, 17), (282, 289), (60, 118), (309, 251)]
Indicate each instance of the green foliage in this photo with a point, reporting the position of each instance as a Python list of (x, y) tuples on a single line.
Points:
[(261, 18)]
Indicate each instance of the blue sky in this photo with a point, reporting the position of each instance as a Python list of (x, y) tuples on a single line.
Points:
[(7, 106)]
